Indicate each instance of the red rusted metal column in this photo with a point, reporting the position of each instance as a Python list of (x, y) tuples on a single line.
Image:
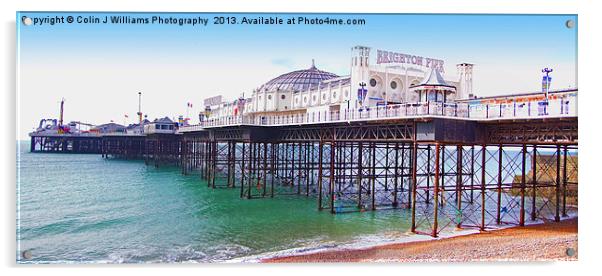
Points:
[(209, 163), (320, 159), (387, 167), (340, 164), (202, 159), (564, 182), (265, 168), (499, 185), (442, 173), (276, 166), (292, 164), (286, 163), (459, 180), (229, 162), (472, 174), (311, 165), (414, 185), (208, 174), (534, 184), (483, 183), (397, 176), (232, 169), (242, 170), (252, 171), (436, 192), (192, 156), (199, 156), (214, 164), (206, 162), (523, 184), (428, 173), (272, 168), (308, 162), (332, 172), (206, 168), (373, 178), (557, 217), (183, 162), (403, 174), (360, 171), (299, 167), (192, 159)]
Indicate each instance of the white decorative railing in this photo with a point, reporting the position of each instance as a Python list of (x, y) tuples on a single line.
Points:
[(553, 108)]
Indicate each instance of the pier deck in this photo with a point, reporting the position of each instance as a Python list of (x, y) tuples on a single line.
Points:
[(452, 169)]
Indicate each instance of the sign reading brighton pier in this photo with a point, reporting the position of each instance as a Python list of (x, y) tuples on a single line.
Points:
[(392, 57)]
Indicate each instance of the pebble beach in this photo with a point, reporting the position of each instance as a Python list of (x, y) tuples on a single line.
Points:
[(542, 242)]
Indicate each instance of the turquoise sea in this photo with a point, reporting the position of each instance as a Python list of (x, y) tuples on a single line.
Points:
[(83, 208)]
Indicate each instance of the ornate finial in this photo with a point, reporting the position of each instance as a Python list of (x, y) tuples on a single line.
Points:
[(313, 64)]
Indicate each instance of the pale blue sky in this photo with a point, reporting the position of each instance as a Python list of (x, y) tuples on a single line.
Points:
[(99, 68)]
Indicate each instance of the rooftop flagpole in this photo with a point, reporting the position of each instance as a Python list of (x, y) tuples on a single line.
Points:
[(140, 108)]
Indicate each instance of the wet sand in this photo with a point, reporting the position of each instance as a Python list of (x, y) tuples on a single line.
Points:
[(542, 242)]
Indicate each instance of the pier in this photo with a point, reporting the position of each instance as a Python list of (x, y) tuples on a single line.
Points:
[(453, 166), (61, 143)]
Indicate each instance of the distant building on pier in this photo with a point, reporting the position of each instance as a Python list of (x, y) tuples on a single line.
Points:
[(161, 126), (108, 128), (385, 78)]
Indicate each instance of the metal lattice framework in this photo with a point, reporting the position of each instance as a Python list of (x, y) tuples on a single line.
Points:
[(402, 131), (506, 173), (537, 132)]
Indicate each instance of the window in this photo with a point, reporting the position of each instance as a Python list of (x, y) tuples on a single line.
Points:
[(393, 85), (269, 97), (282, 96), (372, 82), (323, 97), (346, 93), (315, 98), (305, 99), (334, 94)]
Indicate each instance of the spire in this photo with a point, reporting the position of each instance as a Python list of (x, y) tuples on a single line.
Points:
[(313, 64)]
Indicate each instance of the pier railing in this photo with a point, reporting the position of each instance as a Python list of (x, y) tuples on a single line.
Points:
[(514, 110)]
